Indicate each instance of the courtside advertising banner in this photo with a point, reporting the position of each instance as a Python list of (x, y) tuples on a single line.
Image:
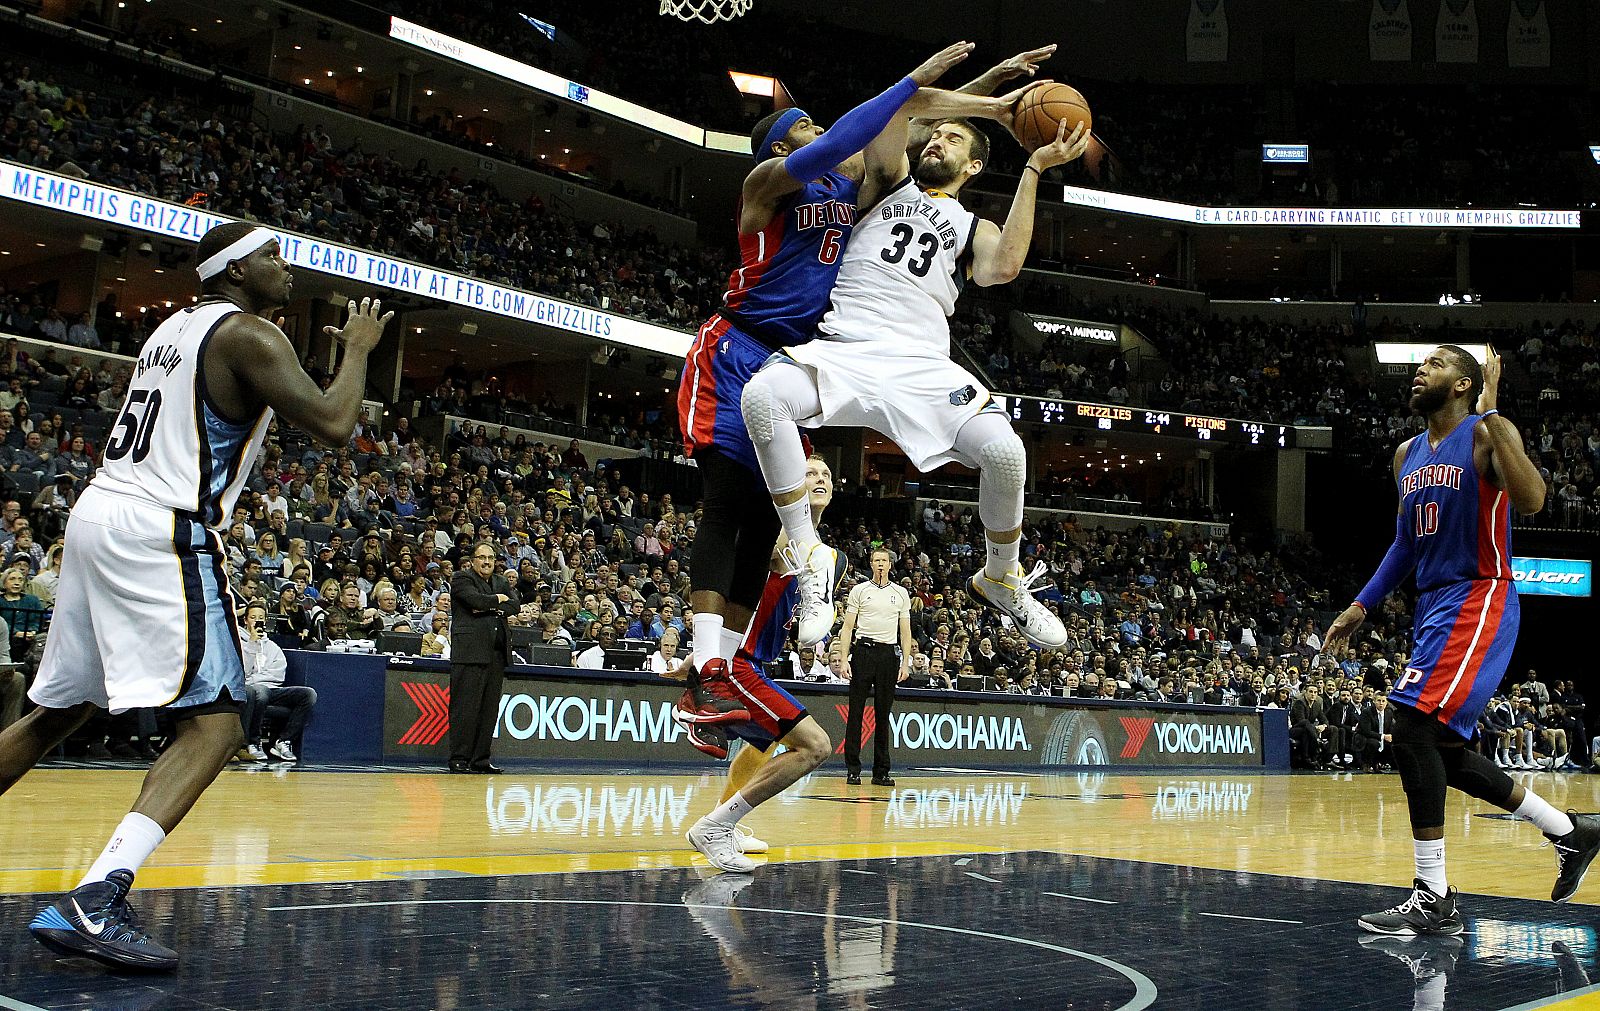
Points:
[(1553, 577), (599, 720), (179, 222)]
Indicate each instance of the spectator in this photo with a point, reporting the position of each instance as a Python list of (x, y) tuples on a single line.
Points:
[(265, 667)]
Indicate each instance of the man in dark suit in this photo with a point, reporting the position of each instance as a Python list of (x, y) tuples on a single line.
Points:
[(481, 600), (1375, 736)]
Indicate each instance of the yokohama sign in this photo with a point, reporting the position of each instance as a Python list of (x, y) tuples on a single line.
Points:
[(629, 720)]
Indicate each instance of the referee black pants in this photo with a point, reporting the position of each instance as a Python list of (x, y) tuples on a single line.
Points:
[(873, 666)]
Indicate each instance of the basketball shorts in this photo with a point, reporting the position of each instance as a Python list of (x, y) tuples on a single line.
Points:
[(143, 613), (1464, 635), (721, 361), (773, 711), (919, 399)]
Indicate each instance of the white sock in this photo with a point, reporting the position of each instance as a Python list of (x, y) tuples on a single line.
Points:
[(1545, 818), (796, 517), (1430, 864), (707, 630), (130, 846), (732, 640), (1002, 558), (728, 813)]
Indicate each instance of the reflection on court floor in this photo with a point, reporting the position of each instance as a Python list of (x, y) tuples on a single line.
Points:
[(982, 930), (572, 887)]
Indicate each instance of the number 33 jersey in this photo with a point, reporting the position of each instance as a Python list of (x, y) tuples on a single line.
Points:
[(903, 271), (171, 446)]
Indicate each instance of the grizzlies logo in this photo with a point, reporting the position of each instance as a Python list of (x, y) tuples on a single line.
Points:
[(963, 396)]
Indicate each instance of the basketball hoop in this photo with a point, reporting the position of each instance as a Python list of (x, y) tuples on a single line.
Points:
[(708, 11)]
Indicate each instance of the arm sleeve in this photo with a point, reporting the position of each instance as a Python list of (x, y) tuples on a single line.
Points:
[(854, 130), (1397, 561)]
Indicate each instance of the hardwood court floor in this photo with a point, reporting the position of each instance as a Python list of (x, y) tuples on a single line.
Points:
[(1166, 890)]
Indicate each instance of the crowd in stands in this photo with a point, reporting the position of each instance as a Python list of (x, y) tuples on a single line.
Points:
[(177, 148)]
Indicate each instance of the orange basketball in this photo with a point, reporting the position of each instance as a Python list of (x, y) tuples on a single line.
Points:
[(1041, 110)]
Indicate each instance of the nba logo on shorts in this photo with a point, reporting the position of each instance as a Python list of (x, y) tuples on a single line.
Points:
[(963, 396), (1410, 677)]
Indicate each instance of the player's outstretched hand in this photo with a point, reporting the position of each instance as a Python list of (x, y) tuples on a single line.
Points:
[(934, 67), (1489, 398), (364, 327), (1066, 147), (1023, 64), (1343, 628)]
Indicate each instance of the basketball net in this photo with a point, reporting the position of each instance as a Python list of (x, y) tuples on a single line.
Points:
[(708, 11)]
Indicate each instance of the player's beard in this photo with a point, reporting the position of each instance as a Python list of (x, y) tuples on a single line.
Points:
[(936, 174), (1427, 400)]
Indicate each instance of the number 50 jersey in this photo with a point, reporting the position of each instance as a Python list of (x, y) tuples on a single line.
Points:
[(171, 446), (903, 271)]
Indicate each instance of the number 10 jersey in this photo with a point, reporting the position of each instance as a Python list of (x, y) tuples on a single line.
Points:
[(903, 271), (171, 446)]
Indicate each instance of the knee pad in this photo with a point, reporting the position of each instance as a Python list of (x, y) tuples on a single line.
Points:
[(1004, 460), (757, 404), (1476, 776)]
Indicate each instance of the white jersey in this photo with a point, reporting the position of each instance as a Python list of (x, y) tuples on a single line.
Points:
[(171, 446), (903, 270)]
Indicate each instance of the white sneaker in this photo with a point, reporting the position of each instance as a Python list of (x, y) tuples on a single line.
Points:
[(1557, 761), (747, 841), (1524, 764), (816, 575), (1499, 762), (1013, 596), (719, 844), (283, 750), (257, 753)]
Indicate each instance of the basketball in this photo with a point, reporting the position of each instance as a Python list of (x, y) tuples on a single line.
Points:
[(1041, 110)]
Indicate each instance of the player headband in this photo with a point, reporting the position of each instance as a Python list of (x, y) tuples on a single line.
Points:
[(779, 130), (236, 250)]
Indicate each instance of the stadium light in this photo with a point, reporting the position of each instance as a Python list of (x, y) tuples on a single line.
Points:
[(758, 85), (1594, 152)]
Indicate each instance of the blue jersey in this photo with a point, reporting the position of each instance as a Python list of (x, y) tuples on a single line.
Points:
[(1459, 523), (786, 270)]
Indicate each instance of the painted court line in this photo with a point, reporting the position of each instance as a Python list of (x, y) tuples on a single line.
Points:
[(983, 877), (852, 870), (1257, 919), (17, 1005), (1080, 898), (1562, 1000), (964, 861)]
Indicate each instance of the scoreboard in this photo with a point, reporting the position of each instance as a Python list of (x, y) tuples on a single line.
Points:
[(1173, 424)]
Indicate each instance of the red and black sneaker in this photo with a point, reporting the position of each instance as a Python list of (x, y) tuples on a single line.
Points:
[(707, 739), (710, 697)]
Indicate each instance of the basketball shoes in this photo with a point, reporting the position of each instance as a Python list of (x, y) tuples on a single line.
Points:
[(1014, 596), (707, 738), (1575, 851), (710, 697), (96, 920), (1423, 912), (720, 845), (816, 575)]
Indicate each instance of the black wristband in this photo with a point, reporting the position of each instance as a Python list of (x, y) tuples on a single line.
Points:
[(1027, 167)]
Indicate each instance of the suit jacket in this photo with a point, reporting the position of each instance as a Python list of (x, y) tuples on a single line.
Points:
[(477, 619), (1368, 729)]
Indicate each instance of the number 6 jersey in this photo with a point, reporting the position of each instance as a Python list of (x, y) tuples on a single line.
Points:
[(903, 270), (171, 446)]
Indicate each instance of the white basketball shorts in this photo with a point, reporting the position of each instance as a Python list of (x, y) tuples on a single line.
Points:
[(143, 613), (917, 398)]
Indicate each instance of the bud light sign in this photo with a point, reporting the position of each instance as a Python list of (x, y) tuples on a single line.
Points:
[(1286, 154), (1552, 577)]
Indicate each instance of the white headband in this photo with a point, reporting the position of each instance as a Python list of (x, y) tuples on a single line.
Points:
[(236, 250)]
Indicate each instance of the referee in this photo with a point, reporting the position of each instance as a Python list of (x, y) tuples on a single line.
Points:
[(876, 612)]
